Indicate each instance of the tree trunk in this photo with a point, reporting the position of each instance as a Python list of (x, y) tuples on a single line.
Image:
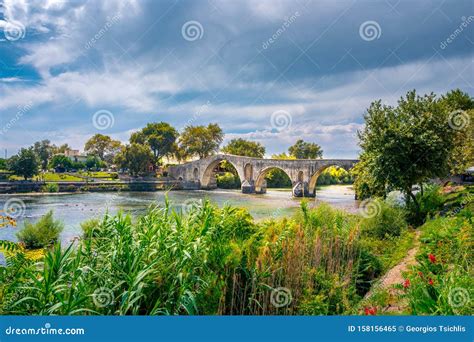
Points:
[(413, 197)]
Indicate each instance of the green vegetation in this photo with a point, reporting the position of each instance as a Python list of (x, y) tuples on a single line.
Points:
[(305, 150), (103, 147), (422, 138), (51, 187), (442, 282), (53, 177), (200, 141), (334, 175), (25, 164), (242, 147), (42, 234), (209, 261)]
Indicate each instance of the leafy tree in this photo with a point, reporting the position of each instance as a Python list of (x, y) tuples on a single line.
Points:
[(160, 137), (305, 150), (103, 147), (3, 164), (60, 161), (406, 145), (460, 107), (44, 151), (201, 140), (25, 163), (134, 157), (242, 147)]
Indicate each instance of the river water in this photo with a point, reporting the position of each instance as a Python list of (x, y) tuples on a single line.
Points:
[(74, 208)]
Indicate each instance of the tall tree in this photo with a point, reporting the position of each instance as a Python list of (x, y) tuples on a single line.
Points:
[(44, 151), (242, 147), (103, 147), (201, 141), (60, 161), (61, 149), (305, 150), (160, 137), (406, 145), (135, 158), (460, 107), (25, 163)]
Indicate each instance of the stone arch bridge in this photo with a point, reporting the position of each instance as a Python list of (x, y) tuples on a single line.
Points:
[(303, 173)]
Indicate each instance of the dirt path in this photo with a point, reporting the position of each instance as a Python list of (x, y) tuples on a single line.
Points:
[(395, 276)]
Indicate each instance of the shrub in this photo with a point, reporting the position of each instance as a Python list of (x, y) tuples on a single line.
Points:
[(430, 201), (42, 234), (50, 187), (386, 220)]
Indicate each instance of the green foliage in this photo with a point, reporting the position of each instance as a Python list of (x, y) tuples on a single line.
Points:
[(44, 151), (442, 282), (41, 234), (385, 221), (60, 161), (102, 146), (94, 163), (228, 181), (242, 147), (136, 158), (3, 164), (50, 187), (159, 136), (407, 144), (277, 178), (334, 175), (200, 141), (305, 150), (24, 164)]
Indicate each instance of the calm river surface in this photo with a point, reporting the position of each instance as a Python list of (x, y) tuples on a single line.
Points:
[(73, 209)]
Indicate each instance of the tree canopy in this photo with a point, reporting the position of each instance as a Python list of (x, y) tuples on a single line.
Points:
[(242, 147), (305, 150), (200, 141), (25, 163), (404, 145), (103, 147), (134, 157)]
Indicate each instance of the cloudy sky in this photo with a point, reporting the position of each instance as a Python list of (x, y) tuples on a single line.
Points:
[(268, 70)]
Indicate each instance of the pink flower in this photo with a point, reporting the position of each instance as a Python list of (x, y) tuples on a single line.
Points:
[(406, 283)]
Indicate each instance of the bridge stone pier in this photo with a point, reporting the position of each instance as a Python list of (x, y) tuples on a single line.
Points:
[(303, 173)]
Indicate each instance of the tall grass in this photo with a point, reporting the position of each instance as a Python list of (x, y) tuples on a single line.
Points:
[(209, 261)]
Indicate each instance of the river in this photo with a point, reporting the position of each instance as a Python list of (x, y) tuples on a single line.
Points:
[(74, 208)]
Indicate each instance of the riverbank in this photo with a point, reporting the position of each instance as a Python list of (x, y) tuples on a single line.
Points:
[(96, 186)]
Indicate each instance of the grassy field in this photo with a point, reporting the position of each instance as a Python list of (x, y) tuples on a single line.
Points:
[(51, 177)]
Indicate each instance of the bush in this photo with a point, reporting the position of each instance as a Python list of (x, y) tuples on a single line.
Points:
[(385, 221), (42, 234), (50, 187)]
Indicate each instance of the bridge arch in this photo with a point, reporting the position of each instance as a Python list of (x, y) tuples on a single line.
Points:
[(260, 183), (208, 179), (314, 178)]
